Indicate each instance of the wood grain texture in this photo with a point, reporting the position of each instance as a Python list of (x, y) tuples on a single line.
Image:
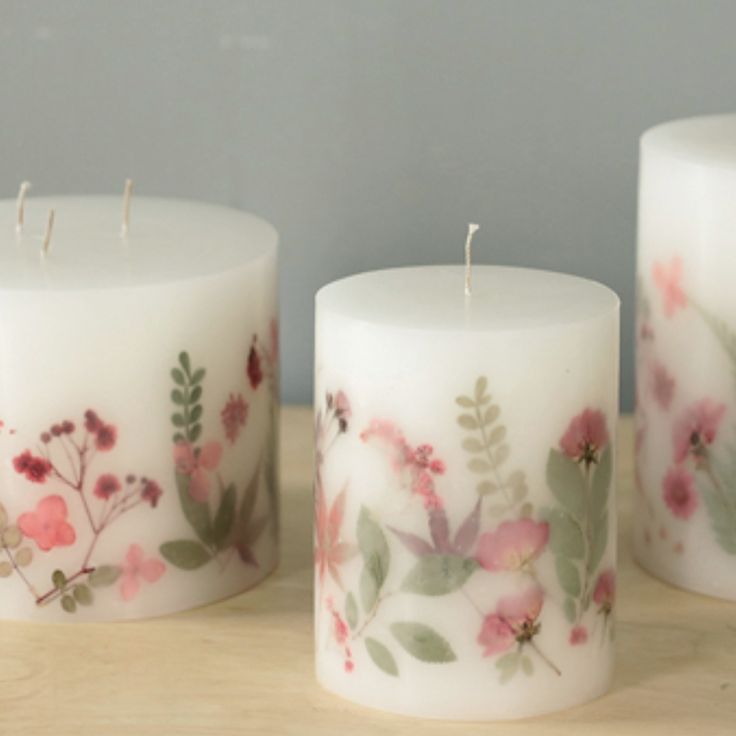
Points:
[(244, 666)]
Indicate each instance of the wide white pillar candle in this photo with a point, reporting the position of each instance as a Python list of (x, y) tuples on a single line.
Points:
[(137, 399), (686, 355), (464, 501)]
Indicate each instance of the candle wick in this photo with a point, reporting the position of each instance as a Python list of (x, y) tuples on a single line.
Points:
[(47, 236), (21, 205), (127, 192), (472, 230)]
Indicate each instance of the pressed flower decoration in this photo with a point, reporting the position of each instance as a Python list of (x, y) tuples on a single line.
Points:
[(441, 558)]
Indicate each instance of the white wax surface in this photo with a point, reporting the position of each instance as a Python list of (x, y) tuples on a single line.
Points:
[(687, 191), (502, 299), (168, 241)]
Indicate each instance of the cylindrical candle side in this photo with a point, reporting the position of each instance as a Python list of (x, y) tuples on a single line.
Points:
[(464, 501)]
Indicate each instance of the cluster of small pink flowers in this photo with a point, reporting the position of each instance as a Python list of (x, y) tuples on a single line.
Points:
[(106, 486), (35, 468), (662, 385), (105, 435), (341, 632), (668, 279), (233, 416), (417, 462), (57, 430)]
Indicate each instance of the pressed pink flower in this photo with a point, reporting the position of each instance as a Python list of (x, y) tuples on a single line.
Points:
[(35, 468), (343, 411), (233, 416), (514, 621), (663, 386), (107, 485), (604, 593), (151, 492), (47, 525), (678, 490), (696, 428), (253, 368), (197, 465), (91, 421), (578, 635), (417, 466), (106, 437), (137, 567), (668, 279), (585, 436), (513, 545)]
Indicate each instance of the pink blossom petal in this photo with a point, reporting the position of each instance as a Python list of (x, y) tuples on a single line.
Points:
[(184, 458), (199, 486), (134, 557), (129, 586), (152, 569), (209, 457)]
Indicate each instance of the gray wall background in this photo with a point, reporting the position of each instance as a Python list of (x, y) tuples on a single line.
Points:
[(368, 131)]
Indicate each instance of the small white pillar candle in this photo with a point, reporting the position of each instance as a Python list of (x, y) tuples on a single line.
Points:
[(137, 407), (686, 355), (464, 501)]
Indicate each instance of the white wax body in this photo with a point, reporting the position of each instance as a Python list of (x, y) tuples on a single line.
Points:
[(98, 325), (685, 529), (393, 351)]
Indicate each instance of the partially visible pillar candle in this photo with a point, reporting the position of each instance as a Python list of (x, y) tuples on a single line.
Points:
[(464, 503), (686, 355), (137, 399)]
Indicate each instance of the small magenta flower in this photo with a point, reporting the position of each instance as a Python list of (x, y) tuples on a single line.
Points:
[(678, 491), (578, 635), (107, 485), (663, 386), (233, 416), (253, 369), (35, 468), (604, 593), (585, 436), (696, 428), (668, 279), (106, 437), (513, 545), (151, 492)]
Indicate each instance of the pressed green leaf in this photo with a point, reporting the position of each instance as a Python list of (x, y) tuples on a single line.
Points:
[(471, 444), (599, 540), (194, 432), (196, 513), (497, 435), (722, 519), (568, 575), (184, 362), (381, 656), (477, 465), (177, 396), (600, 484), (565, 534), (68, 604), (83, 595), (178, 420), (465, 402), (195, 394), (527, 666), (481, 385), (438, 574), (58, 579), (467, 421), (185, 554), (368, 589), (569, 608), (508, 664), (197, 376), (566, 482), (351, 611), (178, 377), (422, 642), (491, 414), (373, 547), (179, 437), (501, 455), (224, 517), (486, 487), (196, 413), (104, 576)]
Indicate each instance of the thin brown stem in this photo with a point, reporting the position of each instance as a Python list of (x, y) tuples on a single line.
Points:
[(545, 658), (20, 572), (369, 618), (54, 593)]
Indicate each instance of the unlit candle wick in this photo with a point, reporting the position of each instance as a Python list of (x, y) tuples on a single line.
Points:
[(472, 230), (128, 191), (47, 236), (21, 203)]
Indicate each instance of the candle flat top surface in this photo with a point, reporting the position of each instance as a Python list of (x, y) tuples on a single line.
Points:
[(168, 241), (708, 140), (433, 297)]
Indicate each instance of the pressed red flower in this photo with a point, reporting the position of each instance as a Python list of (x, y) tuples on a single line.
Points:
[(585, 436), (668, 279), (47, 525), (254, 369), (91, 421), (35, 468), (513, 545), (604, 593), (45, 437), (107, 485), (696, 428), (106, 437), (234, 415), (151, 492), (578, 635), (678, 491), (663, 386), (67, 427)]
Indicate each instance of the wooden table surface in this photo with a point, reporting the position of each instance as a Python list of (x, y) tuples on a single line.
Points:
[(244, 666)]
